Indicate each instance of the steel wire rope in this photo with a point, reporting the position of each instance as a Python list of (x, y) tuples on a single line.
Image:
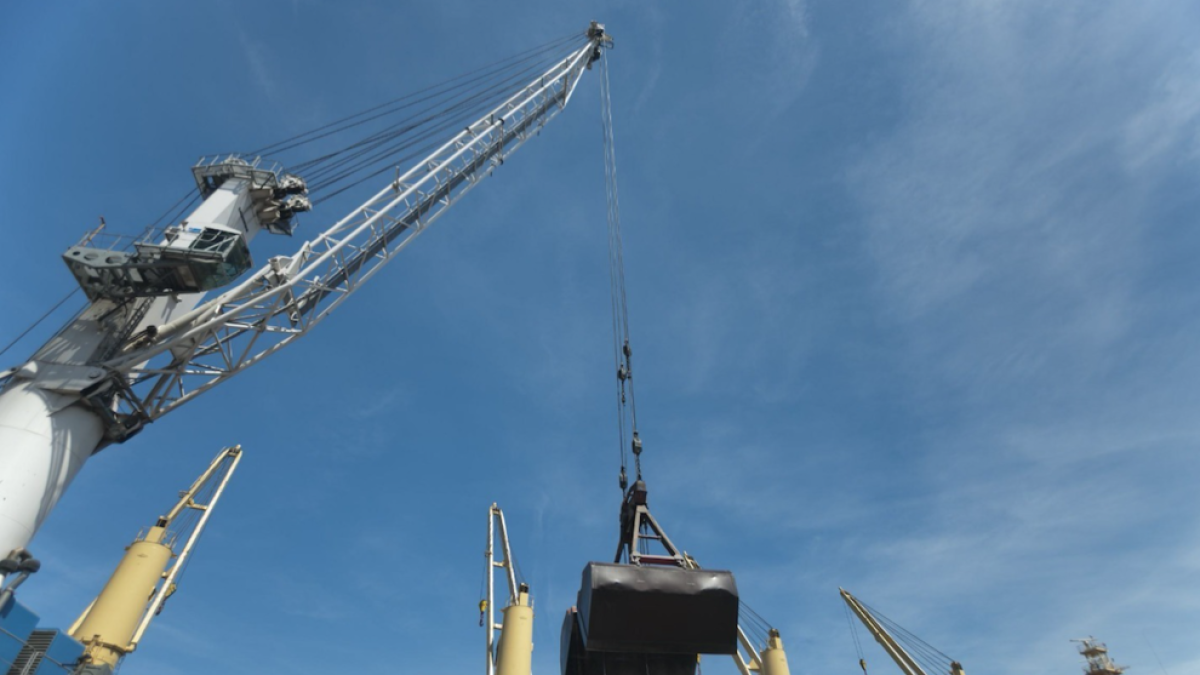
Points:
[(914, 642), (483, 99), (619, 298), (418, 153), (921, 653), (385, 158), (177, 213), (149, 228), (910, 640), (928, 659), (323, 166), (322, 158), (854, 635), (35, 324), (755, 615), (480, 73), (759, 628), (320, 177), (922, 656), (928, 665), (611, 166), (190, 193), (72, 293), (614, 293), (294, 141), (398, 128), (392, 163)]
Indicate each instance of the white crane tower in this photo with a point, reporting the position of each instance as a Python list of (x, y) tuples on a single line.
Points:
[(149, 340)]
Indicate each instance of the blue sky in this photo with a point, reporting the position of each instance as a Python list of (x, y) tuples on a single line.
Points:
[(912, 296)]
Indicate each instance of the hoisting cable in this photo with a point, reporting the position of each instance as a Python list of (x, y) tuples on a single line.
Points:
[(414, 124), (862, 661), (756, 627), (430, 112), (622, 352), (175, 208), (538, 62), (429, 125), (381, 156), (928, 656), (361, 117), (35, 324)]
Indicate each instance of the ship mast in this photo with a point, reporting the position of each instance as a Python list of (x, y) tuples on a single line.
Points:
[(1096, 655)]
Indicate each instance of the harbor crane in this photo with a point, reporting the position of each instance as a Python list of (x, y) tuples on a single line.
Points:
[(150, 340)]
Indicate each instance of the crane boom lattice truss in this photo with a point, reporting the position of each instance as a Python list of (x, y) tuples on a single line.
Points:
[(287, 297)]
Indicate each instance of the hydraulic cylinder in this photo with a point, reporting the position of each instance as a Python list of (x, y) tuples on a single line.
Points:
[(108, 627), (516, 638), (774, 659)]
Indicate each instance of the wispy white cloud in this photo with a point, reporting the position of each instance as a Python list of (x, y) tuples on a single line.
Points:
[(767, 53), (1010, 215), (379, 402), (654, 19), (1168, 125), (257, 61)]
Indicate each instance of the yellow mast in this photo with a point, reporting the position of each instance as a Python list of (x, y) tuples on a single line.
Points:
[(512, 654), (115, 621), (774, 659)]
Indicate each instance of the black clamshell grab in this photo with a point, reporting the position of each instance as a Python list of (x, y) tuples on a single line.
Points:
[(649, 619)]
